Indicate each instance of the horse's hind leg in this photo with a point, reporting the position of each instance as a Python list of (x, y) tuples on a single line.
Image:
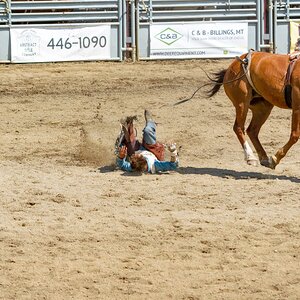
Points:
[(241, 109), (295, 133), (261, 110)]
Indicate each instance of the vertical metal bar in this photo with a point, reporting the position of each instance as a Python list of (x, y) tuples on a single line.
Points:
[(275, 26), (121, 27), (133, 31), (259, 32), (9, 26), (151, 10), (287, 7), (9, 12), (137, 29), (270, 13)]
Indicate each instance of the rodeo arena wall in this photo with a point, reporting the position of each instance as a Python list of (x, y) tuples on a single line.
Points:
[(79, 30)]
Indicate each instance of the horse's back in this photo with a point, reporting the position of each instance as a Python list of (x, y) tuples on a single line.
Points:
[(267, 72)]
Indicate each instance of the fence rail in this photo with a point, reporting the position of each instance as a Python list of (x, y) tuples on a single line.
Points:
[(3, 12), (130, 25), (167, 10), (287, 10), (44, 12), (45, 18)]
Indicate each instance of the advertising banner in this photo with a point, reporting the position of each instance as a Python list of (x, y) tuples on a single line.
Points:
[(60, 44), (205, 40), (294, 36)]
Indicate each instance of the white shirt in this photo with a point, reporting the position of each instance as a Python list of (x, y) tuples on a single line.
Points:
[(150, 158)]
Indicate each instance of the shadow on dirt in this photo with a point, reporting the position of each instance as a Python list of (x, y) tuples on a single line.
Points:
[(112, 168), (224, 173), (107, 169)]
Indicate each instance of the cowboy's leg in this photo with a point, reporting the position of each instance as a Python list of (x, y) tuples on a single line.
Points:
[(130, 140), (126, 140), (149, 133)]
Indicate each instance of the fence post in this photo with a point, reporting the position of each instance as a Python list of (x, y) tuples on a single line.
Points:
[(137, 26), (275, 26), (133, 30)]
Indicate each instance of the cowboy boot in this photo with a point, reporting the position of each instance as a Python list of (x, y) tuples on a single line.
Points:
[(148, 116)]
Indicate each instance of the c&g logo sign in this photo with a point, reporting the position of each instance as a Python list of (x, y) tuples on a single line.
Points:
[(169, 36)]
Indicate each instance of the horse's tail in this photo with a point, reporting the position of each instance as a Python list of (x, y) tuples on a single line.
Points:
[(217, 82)]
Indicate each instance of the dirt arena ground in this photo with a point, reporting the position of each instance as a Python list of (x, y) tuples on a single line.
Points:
[(73, 227)]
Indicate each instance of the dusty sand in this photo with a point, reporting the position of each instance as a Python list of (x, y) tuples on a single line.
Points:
[(73, 227)]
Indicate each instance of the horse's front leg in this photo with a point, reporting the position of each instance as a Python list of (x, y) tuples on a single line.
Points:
[(294, 137), (250, 158)]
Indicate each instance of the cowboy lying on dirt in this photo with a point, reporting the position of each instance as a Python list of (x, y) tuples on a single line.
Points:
[(145, 157)]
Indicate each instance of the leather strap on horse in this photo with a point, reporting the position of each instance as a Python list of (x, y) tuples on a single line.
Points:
[(246, 62), (287, 83)]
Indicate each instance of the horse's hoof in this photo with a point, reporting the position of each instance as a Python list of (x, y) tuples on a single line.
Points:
[(265, 163), (252, 162), (271, 162)]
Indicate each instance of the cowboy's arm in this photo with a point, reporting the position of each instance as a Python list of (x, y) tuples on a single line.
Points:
[(124, 165), (161, 166), (121, 160)]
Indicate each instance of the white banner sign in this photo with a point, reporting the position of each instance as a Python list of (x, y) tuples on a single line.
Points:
[(294, 36), (205, 40), (60, 44)]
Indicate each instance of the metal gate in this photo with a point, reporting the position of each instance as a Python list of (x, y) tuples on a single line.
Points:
[(195, 16), (268, 21), (285, 14), (16, 16), (129, 26)]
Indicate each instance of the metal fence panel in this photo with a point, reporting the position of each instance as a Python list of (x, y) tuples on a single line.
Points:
[(63, 14), (167, 10), (285, 11), (268, 21), (4, 31), (192, 12), (3, 13), (43, 12)]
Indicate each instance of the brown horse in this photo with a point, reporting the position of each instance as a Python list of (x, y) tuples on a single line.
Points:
[(259, 81)]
